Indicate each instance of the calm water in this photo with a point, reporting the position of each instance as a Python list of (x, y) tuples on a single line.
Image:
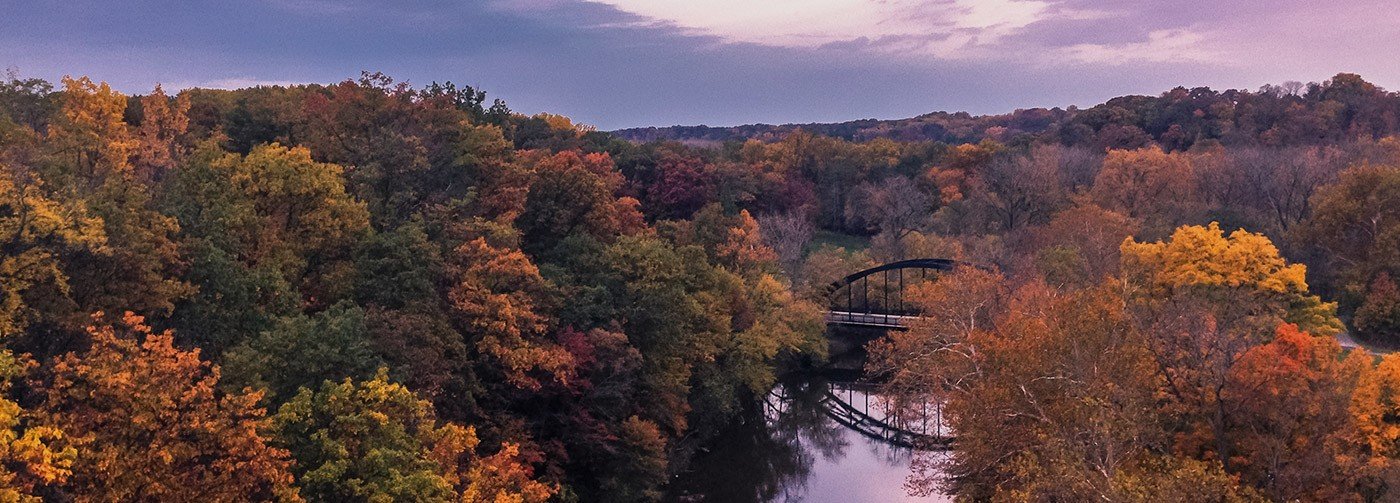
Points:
[(789, 449)]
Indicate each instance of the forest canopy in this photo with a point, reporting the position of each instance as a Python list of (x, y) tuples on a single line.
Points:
[(372, 291)]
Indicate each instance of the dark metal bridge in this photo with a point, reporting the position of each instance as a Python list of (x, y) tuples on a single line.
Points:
[(863, 306), (875, 297)]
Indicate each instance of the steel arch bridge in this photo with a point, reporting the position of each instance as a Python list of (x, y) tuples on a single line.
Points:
[(870, 303), (874, 298)]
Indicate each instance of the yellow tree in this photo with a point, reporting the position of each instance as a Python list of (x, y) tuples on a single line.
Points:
[(89, 137), (1375, 412), (1239, 272), (35, 232), (28, 458), (89, 159), (1203, 300)]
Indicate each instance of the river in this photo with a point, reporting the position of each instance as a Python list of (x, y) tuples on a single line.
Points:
[(790, 448)]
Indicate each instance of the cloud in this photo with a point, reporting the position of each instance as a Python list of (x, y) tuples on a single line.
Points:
[(942, 28), (1161, 46), (619, 63), (321, 7)]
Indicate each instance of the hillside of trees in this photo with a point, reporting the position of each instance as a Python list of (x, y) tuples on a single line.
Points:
[(371, 291), (1338, 109)]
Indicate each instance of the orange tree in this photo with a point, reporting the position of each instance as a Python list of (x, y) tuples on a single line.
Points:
[(149, 424)]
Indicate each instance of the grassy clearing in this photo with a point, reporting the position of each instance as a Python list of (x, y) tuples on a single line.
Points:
[(835, 239)]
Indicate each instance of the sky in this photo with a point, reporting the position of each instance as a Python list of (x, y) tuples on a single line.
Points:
[(627, 63)]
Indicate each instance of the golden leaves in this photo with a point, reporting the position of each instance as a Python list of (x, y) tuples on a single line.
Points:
[(1202, 259)]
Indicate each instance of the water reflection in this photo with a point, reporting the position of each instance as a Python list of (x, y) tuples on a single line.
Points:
[(789, 449)]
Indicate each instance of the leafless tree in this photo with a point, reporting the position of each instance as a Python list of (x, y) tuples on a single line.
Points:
[(1021, 190), (1281, 182), (787, 234), (894, 207), (1076, 166)]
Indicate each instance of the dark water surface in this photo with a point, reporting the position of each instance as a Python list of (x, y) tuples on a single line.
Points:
[(789, 448)]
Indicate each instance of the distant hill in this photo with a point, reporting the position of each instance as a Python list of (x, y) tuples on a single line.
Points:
[(1343, 108), (948, 127)]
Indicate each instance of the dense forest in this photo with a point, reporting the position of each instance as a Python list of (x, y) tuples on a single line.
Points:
[(371, 291)]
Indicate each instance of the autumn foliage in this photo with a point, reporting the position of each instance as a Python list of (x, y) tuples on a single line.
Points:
[(370, 291), (1189, 366), (149, 424)]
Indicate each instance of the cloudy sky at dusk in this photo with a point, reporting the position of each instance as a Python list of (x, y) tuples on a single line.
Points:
[(621, 63)]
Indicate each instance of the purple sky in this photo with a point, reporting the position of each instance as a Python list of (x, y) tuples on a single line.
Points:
[(622, 63)]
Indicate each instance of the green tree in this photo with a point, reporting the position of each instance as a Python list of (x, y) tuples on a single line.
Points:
[(376, 441), (640, 465), (269, 233), (397, 278), (306, 221), (1357, 222), (301, 351)]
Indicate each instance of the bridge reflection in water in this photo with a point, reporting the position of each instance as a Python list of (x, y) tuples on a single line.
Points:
[(863, 306), (795, 444), (830, 436), (858, 407)]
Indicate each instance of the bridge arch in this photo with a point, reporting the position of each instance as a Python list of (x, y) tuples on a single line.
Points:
[(875, 297), (866, 305)]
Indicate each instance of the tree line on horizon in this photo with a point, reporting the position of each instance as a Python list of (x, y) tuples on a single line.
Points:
[(1292, 113), (368, 291)]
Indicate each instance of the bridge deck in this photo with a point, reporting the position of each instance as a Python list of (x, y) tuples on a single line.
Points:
[(875, 320)]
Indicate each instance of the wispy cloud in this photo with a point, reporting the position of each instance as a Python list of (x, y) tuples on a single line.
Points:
[(983, 30), (937, 27), (323, 7), (1160, 46)]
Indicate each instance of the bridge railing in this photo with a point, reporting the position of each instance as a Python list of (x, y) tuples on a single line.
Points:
[(878, 296)]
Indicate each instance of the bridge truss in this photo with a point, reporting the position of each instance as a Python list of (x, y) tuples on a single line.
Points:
[(875, 297)]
